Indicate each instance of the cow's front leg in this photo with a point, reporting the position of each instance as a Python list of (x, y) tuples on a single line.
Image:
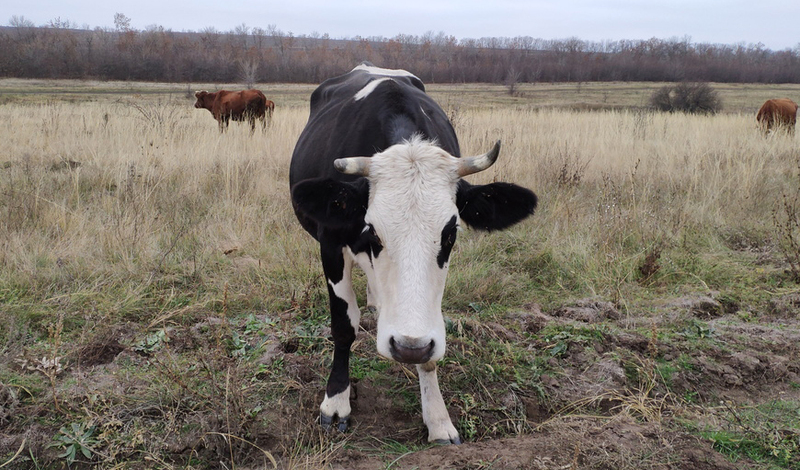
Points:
[(335, 408), (434, 412)]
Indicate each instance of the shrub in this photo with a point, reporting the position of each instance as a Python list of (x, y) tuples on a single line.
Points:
[(687, 97)]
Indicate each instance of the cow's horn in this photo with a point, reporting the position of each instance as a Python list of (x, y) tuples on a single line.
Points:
[(470, 165), (353, 165)]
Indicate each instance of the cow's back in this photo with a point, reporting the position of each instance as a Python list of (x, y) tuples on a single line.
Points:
[(777, 112), (778, 105), (351, 115)]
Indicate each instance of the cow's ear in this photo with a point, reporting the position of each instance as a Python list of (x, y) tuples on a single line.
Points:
[(494, 206), (332, 203)]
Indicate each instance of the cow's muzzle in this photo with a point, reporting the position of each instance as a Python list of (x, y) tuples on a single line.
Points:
[(408, 353)]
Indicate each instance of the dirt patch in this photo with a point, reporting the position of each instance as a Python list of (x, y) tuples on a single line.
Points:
[(786, 306), (101, 352), (588, 311), (566, 444), (580, 386), (611, 396)]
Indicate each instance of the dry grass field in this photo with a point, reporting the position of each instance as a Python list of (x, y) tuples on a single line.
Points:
[(160, 307)]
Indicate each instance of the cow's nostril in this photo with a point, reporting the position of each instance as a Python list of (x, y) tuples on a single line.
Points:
[(410, 354)]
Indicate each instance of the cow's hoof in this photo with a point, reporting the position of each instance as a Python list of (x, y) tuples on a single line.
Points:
[(327, 422), (343, 424), (446, 442)]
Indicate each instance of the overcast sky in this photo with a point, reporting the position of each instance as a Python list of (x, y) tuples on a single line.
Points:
[(775, 23)]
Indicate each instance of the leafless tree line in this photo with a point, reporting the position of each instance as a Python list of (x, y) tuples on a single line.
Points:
[(249, 55)]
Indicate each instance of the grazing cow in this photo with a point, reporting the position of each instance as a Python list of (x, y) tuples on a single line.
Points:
[(777, 113), (376, 178), (244, 105)]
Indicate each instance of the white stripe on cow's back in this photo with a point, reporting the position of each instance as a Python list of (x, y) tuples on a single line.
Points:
[(369, 88), (372, 70)]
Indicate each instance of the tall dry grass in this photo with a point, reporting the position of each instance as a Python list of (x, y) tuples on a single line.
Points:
[(106, 194), (616, 186), (108, 198)]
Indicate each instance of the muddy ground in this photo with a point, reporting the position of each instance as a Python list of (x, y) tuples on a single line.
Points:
[(598, 416), (616, 390)]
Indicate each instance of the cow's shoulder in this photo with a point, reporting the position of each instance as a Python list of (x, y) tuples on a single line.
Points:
[(221, 96), (397, 75)]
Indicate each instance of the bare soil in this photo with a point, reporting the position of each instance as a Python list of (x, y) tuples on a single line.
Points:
[(618, 392), (742, 364)]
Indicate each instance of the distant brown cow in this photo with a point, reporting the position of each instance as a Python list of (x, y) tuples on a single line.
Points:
[(244, 105), (777, 113)]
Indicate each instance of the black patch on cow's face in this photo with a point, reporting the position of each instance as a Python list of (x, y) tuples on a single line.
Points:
[(449, 233), (494, 206), (368, 242)]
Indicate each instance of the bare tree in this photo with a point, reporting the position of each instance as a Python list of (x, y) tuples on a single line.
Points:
[(58, 23), (122, 22), (512, 82), (248, 72), (268, 54), (20, 22)]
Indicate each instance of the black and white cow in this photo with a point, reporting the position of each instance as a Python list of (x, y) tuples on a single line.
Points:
[(376, 179)]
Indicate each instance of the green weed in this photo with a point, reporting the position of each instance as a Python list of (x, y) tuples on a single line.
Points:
[(151, 343), (769, 432), (76, 440), (559, 338), (370, 366)]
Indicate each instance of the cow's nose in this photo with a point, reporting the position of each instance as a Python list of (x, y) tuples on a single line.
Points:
[(409, 351)]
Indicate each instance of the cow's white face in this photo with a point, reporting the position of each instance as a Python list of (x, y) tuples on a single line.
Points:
[(411, 223)]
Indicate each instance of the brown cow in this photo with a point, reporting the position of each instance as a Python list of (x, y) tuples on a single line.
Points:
[(244, 105), (776, 114)]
